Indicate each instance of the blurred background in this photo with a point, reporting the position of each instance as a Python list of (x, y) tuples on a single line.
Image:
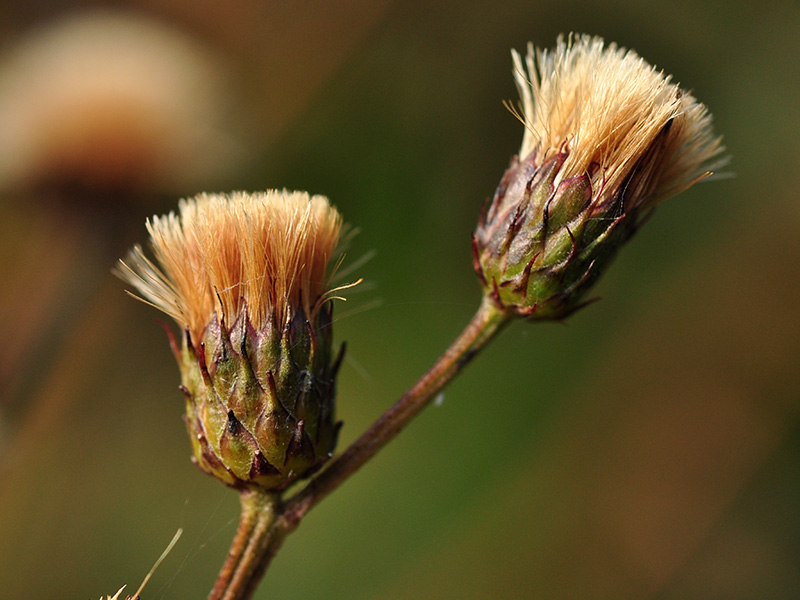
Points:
[(649, 448)]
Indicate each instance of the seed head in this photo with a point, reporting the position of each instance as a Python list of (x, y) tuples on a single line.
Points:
[(607, 137), (247, 277)]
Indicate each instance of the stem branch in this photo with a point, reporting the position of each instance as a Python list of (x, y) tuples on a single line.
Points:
[(487, 321), (266, 522), (247, 558)]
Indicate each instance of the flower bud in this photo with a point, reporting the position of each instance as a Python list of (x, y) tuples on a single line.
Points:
[(247, 277), (607, 138)]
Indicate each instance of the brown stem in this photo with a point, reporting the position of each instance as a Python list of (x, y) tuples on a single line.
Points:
[(246, 561), (487, 321)]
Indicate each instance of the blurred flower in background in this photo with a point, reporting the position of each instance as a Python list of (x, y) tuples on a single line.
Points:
[(104, 102), (101, 115)]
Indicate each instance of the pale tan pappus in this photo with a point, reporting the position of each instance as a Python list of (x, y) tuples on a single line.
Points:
[(269, 251), (608, 108)]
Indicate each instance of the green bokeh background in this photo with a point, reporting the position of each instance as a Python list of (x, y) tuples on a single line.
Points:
[(649, 448)]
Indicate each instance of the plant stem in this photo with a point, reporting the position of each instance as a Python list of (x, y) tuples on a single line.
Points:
[(487, 321), (266, 522), (246, 561)]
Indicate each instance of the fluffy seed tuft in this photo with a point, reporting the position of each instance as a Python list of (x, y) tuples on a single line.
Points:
[(264, 253), (606, 107)]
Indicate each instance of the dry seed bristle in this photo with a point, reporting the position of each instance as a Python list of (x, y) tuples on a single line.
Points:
[(269, 251), (607, 107)]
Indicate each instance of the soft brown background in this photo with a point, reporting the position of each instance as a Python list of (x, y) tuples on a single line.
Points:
[(649, 448)]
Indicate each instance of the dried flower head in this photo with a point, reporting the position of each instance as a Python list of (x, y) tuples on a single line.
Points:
[(248, 278), (607, 137)]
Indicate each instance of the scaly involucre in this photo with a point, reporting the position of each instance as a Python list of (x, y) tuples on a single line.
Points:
[(266, 251)]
